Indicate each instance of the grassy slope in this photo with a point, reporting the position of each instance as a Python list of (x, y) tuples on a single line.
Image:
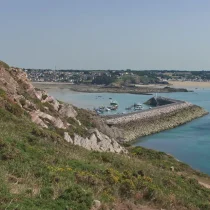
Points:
[(3, 64), (40, 171)]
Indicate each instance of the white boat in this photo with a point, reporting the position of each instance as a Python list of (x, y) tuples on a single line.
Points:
[(137, 105), (113, 103), (138, 108)]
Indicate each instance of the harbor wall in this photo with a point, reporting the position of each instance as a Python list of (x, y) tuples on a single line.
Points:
[(154, 120)]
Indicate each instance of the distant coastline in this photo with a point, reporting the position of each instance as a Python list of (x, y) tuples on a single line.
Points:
[(138, 89), (190, 84)]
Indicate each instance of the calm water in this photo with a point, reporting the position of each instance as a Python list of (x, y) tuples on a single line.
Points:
[(189, 143)]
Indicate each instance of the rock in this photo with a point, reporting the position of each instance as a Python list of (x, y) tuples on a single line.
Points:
[(68, 138), (57, 122), (35, 118), (52, 101), (96, 203), (67, 110)]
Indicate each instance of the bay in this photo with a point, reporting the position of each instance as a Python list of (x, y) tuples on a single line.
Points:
[(189, 143)]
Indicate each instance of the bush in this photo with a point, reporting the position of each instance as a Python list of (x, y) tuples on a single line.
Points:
[(4, 65), (46, 193), (126, 188), (14, 109), (77, 198), (2, 93)]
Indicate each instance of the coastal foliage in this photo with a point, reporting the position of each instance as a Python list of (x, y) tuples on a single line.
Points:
[(4, 65), (39, 170), (103, 80)]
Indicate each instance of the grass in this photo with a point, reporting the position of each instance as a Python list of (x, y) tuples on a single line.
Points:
[(4, 65), (39, 170)]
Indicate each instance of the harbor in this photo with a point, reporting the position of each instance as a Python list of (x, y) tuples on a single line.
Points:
[(114, 105)]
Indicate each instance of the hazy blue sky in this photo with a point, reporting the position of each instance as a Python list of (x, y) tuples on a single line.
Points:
[(106, 34)]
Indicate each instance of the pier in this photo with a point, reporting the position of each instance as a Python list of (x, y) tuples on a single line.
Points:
[(167, 114)]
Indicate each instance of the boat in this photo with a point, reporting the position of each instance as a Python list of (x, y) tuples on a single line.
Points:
[(137, 105), (113, 103), (107, 109), (114, 107), (129, 108), (138, 108)]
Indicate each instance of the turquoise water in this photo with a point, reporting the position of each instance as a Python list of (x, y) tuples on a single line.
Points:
[(189, 143)]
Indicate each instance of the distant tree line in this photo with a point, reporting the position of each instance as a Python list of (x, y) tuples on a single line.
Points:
[(103, 80)]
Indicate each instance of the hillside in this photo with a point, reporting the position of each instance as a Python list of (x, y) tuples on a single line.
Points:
[(43, 165)]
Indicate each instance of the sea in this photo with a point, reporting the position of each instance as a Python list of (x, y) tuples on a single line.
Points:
[(189, 143)]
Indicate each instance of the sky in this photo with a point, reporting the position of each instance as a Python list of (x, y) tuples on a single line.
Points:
[(106, 34)]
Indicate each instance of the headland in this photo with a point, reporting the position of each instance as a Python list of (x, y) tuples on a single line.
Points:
[(143, 89)]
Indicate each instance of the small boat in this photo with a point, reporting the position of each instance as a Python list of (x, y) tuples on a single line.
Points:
[(138, 108), (107, 109), (137, 105), (113, 103), (114, 107)]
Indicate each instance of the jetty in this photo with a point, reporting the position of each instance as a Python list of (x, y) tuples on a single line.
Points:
[(167, 113)]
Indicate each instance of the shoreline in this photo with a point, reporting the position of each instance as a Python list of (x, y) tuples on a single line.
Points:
[(190, 84), (142, 90)]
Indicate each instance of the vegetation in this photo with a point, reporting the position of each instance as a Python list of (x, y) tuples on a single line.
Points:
[(3, 64), (103, 80), (39, 170)]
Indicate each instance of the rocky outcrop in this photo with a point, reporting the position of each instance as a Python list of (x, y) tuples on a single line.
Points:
[(37, 115), (96, 141), (46, 112), (67, 110)]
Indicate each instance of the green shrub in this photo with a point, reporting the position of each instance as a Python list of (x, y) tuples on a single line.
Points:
[(4, 65), (126, 188), (47, 193), (77, 198), (2, 93), (14, 109), (85, 118)]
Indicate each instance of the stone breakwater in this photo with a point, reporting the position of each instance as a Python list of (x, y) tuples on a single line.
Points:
[(155, 120)]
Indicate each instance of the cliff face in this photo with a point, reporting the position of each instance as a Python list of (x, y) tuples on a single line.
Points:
[(74, 125)]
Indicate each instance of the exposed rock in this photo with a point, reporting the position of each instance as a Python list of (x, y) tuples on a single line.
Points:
[(53, 102), (99, 142), (68, 138), (57, 122), (39, 94), (67, 110), (35, 118), (96, 203)]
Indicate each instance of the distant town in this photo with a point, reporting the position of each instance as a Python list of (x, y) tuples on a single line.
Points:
[(117, 77)]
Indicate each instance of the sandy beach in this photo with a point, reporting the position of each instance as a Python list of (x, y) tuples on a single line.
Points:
[(189, 84)]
